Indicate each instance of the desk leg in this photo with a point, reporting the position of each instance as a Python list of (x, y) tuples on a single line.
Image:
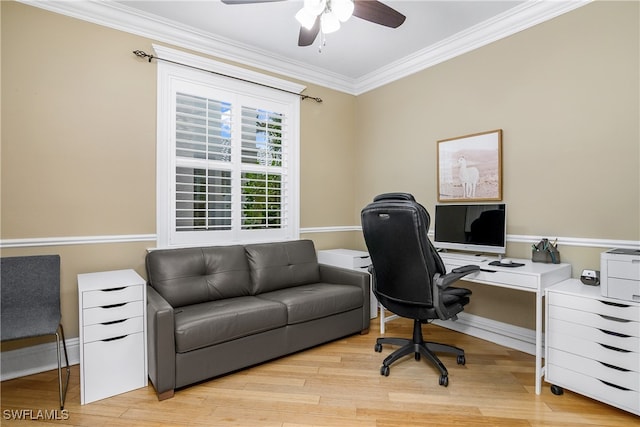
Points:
[(539, 296), (382, 319)]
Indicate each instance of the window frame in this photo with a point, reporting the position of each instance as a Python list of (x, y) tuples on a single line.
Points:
[(171, 77)]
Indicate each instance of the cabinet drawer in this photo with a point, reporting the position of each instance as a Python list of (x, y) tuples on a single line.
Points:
[(109, 313), (620, 377), (618, 309), (115, 295), (600, 336), (513, 280), (607, 323), (107, 331), (603, 324), (113, 367), (626, 399), (623, 359)]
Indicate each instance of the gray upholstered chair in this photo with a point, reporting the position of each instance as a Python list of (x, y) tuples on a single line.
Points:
[(30, 288)]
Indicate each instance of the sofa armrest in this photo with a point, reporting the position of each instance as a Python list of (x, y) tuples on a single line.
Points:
[(161, 346), (345, 276)]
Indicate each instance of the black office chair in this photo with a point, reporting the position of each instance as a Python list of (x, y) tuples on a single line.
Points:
[(30, 288), (409, 277)]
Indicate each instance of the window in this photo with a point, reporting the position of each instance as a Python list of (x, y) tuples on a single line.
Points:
[(227, 157)]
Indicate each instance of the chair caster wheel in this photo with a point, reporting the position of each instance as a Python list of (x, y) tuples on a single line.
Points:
[(461, 360), (378, 348), (417, 356), (384, 370), (557, 390), (444, 380)]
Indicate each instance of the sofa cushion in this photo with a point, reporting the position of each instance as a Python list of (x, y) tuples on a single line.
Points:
[(195, 275), (214, 322), (317, 300), (282, 265)]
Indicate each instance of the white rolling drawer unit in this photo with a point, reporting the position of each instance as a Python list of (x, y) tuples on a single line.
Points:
[(593, 345), (113, 343)]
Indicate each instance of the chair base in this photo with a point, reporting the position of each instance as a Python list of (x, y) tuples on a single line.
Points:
[(419, 347)]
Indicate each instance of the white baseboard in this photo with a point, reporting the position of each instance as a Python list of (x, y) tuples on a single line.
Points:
[(36, 359), (500, 333)]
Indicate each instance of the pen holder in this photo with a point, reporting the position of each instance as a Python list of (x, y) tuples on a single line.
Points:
[(545, 252)]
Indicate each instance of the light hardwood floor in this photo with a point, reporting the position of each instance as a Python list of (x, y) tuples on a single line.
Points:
[(336, 384)]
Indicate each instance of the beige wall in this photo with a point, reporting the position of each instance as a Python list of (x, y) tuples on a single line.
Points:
[(78, 139), (565, 93)]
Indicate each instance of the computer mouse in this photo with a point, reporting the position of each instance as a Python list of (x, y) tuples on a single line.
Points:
[(506, 261)]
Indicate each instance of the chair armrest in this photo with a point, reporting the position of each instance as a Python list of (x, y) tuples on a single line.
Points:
[(161, 346), (442, 281), (345, 276)]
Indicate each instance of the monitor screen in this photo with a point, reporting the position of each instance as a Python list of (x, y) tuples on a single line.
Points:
[(476, 228)]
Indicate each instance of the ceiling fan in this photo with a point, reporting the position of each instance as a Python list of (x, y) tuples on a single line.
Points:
[(369, 10)]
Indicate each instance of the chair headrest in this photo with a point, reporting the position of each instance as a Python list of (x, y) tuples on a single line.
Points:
[(394, 196)]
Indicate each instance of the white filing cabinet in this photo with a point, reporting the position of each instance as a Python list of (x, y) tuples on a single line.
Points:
[(113, 343), (354, 260), (593, 345), (620, 274)]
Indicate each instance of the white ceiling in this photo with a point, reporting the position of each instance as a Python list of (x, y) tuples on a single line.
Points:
[(359, 57)]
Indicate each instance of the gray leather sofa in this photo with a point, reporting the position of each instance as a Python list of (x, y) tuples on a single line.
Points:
[(214, 310)]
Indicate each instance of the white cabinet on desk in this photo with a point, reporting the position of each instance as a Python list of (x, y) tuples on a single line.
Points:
[(593, 345), (113, 343)]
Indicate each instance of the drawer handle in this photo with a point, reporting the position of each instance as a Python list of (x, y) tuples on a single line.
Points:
[(614, 304), (617, 368), (615, 334), (115, 338), (613, 385), (113, 322), (114, 305), (609, 347), (113, 289), (614, 319)]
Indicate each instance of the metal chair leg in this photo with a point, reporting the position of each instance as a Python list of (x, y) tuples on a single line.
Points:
[(63, 391)]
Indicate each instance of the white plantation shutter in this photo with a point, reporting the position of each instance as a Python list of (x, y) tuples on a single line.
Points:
[(263, 169), (227, 169)]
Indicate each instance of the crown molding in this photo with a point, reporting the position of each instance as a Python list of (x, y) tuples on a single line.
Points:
[(123, 18), (512, 21)]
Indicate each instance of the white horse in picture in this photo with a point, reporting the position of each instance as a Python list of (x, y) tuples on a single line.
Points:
[(469, 178)]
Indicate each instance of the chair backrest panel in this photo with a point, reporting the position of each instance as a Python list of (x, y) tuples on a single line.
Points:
[(395, 231), (30, 289)]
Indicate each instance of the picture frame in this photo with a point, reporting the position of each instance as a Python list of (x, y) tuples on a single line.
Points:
[(470, 167)]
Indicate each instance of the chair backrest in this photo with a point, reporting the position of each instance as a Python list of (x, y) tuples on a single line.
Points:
[(395, 230), (30, 289)]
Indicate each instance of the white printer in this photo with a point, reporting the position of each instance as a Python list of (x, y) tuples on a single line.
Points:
[(620, 274)]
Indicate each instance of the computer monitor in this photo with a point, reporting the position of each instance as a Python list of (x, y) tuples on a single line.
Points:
[(479, 228)]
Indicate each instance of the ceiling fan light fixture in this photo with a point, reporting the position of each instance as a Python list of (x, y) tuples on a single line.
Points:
[(329, 22), (342, 8), (306, 18), (315, 6)]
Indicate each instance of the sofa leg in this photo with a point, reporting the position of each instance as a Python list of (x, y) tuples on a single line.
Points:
[(364, 331), (166, 395)]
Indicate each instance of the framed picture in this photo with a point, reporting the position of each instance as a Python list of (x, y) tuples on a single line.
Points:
[(470, 167)]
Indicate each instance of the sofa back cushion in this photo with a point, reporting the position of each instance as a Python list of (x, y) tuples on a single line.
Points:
[(195, 275), (282, 265)]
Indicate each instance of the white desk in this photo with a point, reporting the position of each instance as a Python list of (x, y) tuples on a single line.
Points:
[(532, 277)]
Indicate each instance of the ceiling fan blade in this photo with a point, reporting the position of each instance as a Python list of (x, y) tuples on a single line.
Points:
[(379, 13), (248, 1), (307, 37)]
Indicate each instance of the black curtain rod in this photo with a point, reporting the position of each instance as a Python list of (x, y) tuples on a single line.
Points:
[(142, 54)]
